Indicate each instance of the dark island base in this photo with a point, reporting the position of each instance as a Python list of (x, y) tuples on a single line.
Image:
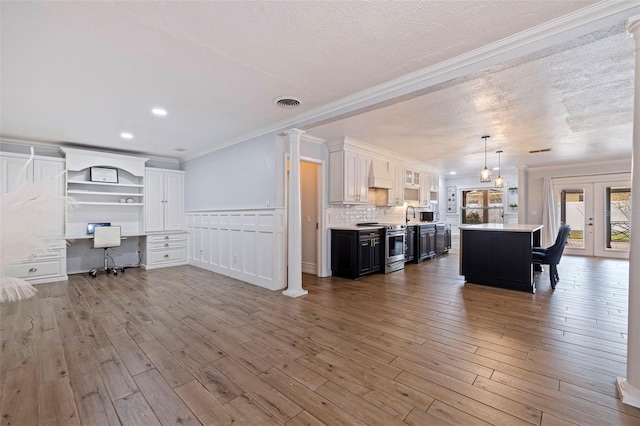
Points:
[(500, 283)]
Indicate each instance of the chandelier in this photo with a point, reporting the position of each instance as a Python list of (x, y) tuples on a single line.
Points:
[(499, 179)]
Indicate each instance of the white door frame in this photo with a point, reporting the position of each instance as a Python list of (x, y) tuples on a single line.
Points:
[(322, 240)]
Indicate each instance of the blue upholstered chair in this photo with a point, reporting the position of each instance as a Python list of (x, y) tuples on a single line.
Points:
[(551, 255)]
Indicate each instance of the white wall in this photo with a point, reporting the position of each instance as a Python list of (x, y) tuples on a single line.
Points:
[(535, 181), (242, 176)]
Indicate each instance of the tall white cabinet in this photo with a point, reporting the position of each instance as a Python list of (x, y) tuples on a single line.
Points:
[(50, 264), (166, 237), (164, 198)]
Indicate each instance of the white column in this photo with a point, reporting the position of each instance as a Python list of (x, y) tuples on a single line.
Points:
[(294, 240), (629, 388)]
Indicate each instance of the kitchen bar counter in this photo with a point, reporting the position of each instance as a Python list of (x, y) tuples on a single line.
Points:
[(499, 255)]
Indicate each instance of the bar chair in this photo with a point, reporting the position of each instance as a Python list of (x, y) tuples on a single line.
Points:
[(551, 255)]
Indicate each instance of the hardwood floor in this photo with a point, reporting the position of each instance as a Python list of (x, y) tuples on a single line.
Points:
[(416, 347)]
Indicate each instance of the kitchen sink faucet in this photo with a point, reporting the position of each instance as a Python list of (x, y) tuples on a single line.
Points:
[(406, 214)]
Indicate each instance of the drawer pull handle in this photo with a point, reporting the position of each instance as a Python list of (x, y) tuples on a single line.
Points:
[(166, 238), (166, 244), (166, 256), (33, 269)]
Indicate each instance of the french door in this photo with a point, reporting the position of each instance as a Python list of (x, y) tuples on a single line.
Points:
[(598, 213)]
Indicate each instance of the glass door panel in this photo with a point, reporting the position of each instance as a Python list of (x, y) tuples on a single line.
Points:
[(575, 208), (615, 231)]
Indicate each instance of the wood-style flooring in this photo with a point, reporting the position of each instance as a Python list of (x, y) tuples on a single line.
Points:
[(416, 347)]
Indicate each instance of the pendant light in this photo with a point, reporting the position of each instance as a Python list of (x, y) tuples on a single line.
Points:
[(499, 179), (485, 174)]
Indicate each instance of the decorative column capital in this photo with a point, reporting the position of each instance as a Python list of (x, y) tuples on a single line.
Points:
[(633, 26), (294, 132)]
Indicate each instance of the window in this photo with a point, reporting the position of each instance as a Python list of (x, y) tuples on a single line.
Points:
[(482, 206)]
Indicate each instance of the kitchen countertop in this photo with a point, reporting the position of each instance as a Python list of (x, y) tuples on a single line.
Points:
[(358, 228), (507, 227)]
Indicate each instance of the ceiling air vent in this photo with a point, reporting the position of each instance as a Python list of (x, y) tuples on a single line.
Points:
[(287, 102), (536, 151)]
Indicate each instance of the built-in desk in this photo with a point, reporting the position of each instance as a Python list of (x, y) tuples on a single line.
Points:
[(499, 255), (149, 250)]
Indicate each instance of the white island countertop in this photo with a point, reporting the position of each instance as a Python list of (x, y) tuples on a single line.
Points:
[(507, 227)]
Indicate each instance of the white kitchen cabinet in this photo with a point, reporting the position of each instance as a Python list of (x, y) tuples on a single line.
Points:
[(164, 200), (429, 189), (50, 264), (396, 192), (411, 178), (349, 175)]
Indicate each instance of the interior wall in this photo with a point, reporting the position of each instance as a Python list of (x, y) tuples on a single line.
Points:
[(535, 182), (241, 176)]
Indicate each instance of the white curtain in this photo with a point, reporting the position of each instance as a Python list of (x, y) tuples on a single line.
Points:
[(548, 214)]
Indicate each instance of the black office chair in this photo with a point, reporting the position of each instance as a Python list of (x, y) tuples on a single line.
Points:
[(551, 255)]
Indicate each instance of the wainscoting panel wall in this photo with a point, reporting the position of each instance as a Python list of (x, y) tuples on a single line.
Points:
[(248, 245)]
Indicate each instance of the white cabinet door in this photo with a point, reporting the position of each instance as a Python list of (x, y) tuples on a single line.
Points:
[(10, 168), (164, 200), (364, 163), (51, 172), (174, 201), (396, 193), (351, 177), (154, 201)]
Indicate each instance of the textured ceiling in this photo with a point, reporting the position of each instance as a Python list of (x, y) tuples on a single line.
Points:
[(576, 98), (82, 72)]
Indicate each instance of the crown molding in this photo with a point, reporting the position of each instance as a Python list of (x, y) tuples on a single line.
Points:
[(591, 18), (625, 162), (63, 146)]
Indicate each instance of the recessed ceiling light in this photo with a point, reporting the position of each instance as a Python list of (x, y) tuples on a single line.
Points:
[(496, 168), (452, 173), (287, 102), (160, 112), (126, 135)]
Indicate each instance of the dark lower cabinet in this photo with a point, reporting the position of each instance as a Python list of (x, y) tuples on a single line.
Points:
[(443, 238), (426, 246), (356, 253), (410, 244)]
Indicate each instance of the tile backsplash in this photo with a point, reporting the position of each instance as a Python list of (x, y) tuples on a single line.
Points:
[(338, 215)]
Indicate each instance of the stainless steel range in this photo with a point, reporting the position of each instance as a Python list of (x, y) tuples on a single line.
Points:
[(394, 248)]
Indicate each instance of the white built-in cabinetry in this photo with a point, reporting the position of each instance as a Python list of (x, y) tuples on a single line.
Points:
[(429, 189), (119, 203), (50, 264), (350, 162), (164, 209), (166, 240), (396, 193), (349, 177)]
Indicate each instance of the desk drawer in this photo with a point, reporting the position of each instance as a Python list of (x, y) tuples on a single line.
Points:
[(168, 245), (171, 255), (164, 238), (36, 269)]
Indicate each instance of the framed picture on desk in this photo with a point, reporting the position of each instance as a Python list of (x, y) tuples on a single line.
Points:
[(104, 174)]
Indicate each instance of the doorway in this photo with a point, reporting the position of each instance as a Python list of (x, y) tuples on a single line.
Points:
[(598, 213), (309, 215)]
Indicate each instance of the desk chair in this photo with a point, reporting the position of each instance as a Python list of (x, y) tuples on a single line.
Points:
[(106, 237)]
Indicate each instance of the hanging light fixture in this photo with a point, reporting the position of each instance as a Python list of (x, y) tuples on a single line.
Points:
[(499, 179), (485, 174)]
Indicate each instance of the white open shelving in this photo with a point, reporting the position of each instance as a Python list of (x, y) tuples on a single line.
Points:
[(119, 203)]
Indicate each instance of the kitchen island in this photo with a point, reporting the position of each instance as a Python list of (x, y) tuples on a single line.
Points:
[(499, 254)]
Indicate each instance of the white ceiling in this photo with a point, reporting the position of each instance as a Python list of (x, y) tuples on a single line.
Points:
[(83, 72)]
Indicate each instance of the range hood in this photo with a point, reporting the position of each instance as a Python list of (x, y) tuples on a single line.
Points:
[(379, 175)]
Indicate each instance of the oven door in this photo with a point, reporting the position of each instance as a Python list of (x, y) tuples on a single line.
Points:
[(395, 247)]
